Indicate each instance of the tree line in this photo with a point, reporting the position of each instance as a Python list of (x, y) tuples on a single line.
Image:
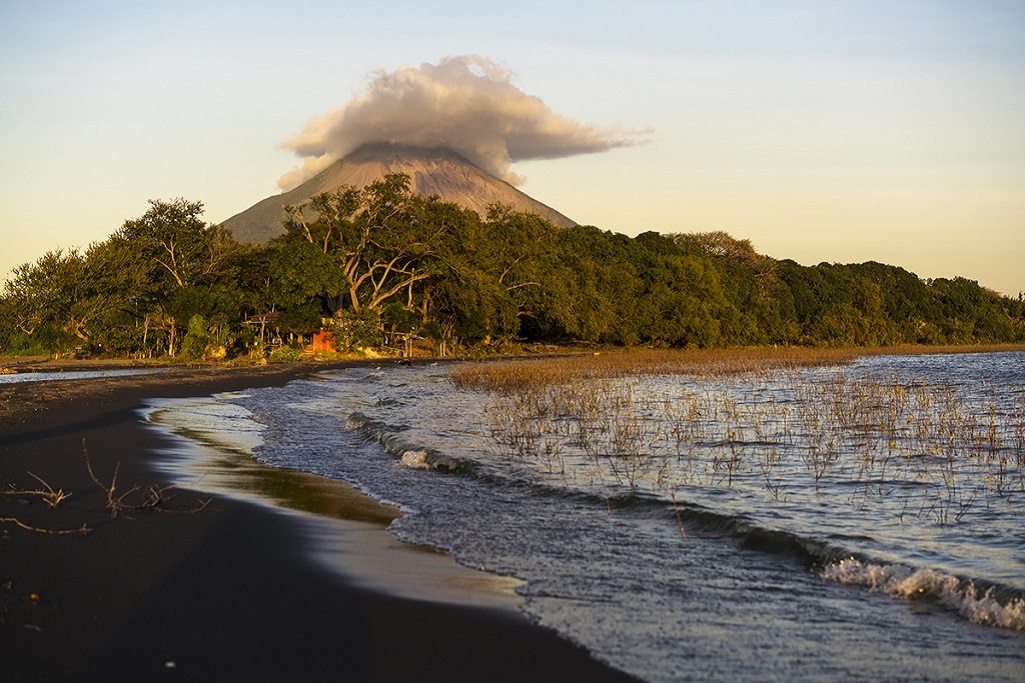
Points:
[(370, 264)]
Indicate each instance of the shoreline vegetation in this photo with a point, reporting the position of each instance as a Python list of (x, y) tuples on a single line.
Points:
[(510, 374), (382, 270), (604, 358), (961, 451)]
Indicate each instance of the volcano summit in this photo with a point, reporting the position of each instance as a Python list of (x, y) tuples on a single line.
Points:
[(433, 171)]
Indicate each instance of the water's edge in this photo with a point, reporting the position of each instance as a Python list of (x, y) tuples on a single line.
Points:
[(348, 530), (612, 572)]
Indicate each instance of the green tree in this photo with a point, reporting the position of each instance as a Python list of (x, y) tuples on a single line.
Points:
[(491, 273), (195, 342), (364, 246), (50, 301), (356, 330), (168, 265)]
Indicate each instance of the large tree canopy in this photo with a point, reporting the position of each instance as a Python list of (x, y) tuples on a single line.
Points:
[(383, 259), (366, 245)]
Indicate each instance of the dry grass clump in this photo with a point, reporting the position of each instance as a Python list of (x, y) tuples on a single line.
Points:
[(512, 376)]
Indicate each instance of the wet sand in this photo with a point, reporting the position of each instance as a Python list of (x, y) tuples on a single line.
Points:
[(213, 586)]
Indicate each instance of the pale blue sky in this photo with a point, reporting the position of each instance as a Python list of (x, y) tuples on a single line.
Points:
[(822, 131)]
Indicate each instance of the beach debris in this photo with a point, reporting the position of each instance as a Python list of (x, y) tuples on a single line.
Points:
[(155, 497), (49, 496), (84, 529)]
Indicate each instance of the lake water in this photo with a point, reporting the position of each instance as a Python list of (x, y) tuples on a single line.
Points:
[(33, 376), (862, 522)]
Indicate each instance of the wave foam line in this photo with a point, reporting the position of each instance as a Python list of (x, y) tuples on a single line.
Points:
[(411, 455), (979, 607)]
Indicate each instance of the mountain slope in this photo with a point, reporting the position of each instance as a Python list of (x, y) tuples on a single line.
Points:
[(433, 171)]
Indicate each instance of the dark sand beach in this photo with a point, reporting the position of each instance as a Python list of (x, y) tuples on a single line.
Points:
[(225, 592)]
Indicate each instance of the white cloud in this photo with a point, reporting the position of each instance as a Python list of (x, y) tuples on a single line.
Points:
[(467, 104)]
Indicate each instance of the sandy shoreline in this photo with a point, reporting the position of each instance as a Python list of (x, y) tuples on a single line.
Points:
[(228, 592)]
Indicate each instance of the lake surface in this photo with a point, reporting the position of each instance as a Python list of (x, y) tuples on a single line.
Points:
[(862, 522), (17, 377)]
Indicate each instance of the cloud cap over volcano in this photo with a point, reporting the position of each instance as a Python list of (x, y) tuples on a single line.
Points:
[(467, 104)]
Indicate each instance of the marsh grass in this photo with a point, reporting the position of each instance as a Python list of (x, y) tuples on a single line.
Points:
[(517, 375), (756, 419)]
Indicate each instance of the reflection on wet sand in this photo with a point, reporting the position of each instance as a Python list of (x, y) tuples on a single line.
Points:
[(347, 529)]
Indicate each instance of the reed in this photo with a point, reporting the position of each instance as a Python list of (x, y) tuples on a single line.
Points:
[(755, 418), (517, 374)]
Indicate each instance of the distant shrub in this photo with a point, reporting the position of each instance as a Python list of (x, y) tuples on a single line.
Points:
[(22, 344), (353, 331), (194, 344), (286, 354)]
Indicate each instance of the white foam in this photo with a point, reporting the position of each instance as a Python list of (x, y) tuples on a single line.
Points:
[(415, 460), (208, 419), (908, 583)]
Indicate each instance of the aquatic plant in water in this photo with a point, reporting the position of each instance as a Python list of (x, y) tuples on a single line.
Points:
[(899, 448), (941, 452)]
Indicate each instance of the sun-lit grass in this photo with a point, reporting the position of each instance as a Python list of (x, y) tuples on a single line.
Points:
[(515, 375), (751, 418)]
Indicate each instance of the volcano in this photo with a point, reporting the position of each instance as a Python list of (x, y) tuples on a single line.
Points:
[(433, 171)]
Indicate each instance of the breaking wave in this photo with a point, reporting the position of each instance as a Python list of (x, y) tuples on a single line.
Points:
[(992, 605), (716, 584), (979, 606)]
